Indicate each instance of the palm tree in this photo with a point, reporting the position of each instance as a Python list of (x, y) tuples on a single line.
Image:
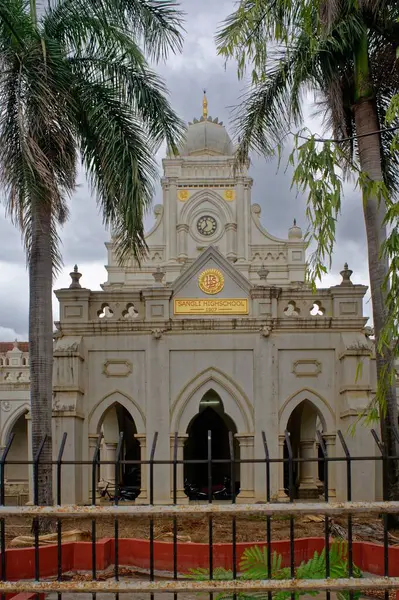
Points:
[(345, 52), (75, 84)]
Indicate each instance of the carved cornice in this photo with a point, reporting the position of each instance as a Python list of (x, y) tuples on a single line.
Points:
[(189, 324)]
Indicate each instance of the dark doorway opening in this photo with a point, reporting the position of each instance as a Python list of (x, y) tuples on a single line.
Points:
[(302, 425), (211, 417), (130, 474)]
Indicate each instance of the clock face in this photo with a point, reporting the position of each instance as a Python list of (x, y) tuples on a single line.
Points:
[(207, 225)]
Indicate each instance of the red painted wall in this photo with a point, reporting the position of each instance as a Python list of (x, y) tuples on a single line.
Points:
[(77, 556)]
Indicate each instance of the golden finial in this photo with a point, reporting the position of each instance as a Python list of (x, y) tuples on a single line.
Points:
[(205, 106)]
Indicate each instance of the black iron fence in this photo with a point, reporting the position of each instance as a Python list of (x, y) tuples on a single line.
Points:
[(229, 583)]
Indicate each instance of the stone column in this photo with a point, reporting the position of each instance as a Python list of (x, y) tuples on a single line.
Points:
[(93, 439), (307, 481), (182, 231), (230, 229), (246, 441), (172, 218), (110, 455), (180, 495), (319, 483), (282, 496), (329, 440), (142, 498), (241, 220)]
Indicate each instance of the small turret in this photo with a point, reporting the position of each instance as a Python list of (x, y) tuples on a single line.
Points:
[(295, 232)]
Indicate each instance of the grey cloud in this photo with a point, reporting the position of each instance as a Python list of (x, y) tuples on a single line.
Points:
[(14, 301)]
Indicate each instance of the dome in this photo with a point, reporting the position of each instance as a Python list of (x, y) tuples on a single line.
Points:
[(206, 136)]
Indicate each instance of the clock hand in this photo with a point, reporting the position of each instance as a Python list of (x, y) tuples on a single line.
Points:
[(208, 225)]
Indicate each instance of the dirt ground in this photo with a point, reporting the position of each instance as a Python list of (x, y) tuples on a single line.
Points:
[(249, 529)]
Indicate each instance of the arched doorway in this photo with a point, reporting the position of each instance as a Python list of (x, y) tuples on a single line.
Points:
[(211, 417), (308, 474), (17, 475), (117, 420)]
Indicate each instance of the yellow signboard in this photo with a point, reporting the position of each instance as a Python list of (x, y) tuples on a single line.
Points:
[(211, 306)]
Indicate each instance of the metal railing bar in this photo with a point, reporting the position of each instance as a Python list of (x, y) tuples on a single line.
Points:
[(381, 448), (326, 519), (349, 498), (268, 518), (175, 446), (59, 522), (210, 520), (95, 464), (211, 586), (116, 502), (251, 461), (200, 510), (233, 501), (35, 524), (291, 497), (151, 463), (2, 502)]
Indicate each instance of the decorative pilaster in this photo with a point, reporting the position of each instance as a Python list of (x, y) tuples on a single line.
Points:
[(274, 295), (246, 441), (142, 498), (231, 229), (182, 231), (241, 220), (329, 440), (172, 218), (180, 495)]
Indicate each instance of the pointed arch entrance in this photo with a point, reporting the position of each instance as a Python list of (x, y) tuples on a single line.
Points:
[(302, 416), (17, 475), (211, 417), (116, 420)]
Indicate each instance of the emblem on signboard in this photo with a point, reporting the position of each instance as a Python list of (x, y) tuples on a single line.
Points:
[(211, 281)]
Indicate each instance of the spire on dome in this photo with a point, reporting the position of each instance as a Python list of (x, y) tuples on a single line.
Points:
[(205, 106)]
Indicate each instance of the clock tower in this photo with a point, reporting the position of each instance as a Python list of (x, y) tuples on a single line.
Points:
[(207, 202)]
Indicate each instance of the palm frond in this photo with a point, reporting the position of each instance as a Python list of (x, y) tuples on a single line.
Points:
[(37, 148), (117, 156), (268, 111), (157, 24), (137, 87)]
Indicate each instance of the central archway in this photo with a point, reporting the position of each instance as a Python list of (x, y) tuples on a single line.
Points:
[(211, 417)]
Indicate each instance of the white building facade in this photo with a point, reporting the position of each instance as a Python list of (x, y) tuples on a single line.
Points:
[(215, 330)]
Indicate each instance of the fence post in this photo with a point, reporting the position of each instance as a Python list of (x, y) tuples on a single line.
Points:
[(2, 502)]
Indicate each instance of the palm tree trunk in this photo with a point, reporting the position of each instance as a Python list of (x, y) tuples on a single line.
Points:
[(374, 212), (41, 347)]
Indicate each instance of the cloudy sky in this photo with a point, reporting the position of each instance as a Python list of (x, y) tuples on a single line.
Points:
[(186, 75)]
